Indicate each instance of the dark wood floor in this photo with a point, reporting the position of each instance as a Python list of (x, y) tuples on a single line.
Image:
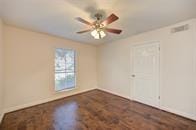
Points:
[(94, 110)]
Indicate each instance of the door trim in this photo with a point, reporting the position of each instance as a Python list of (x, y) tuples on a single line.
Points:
[(159, 71)]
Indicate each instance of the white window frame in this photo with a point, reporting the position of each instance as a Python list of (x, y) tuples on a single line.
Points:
[(75, 72)]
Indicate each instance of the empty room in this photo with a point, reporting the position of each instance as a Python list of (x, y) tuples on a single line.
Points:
[(97, 64)]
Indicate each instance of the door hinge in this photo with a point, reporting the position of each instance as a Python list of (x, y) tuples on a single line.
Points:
[(159, 97), (159, 48)]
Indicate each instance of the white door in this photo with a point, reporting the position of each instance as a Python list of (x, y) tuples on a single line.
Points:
[(145, 74)]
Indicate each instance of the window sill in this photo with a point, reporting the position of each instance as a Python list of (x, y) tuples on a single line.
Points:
[(65, 90)]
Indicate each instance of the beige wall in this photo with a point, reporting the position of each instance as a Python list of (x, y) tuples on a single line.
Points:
[(1, 69), (177, 67), (194, 62), (29, 67)]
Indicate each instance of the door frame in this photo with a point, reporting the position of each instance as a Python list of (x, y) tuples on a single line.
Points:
[(159, 71)]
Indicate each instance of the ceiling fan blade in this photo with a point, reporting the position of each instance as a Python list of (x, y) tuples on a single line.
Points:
[(83, 21), (111, 30), (84, 31), (110, 19)]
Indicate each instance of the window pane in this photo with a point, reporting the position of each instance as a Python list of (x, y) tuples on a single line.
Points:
[(59, 60), (64, 81), (64, 69), (70, 67), (70, 57)]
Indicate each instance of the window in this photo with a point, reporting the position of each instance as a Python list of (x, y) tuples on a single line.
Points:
[(65, 76)]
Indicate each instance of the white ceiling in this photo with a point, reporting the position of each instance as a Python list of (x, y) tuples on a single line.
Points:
[(56, 17)]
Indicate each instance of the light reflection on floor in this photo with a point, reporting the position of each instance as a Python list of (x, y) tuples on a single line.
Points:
[(66, 115)]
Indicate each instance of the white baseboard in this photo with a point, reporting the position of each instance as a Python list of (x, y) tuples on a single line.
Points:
[(1, 117), (183, 114), (11, 109), (113, 93), (180, 113)]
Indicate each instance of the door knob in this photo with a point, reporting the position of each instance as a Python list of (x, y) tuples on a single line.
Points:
[(133, 75)]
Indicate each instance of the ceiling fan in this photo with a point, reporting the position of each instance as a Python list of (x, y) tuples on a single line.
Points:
[(99, 27)]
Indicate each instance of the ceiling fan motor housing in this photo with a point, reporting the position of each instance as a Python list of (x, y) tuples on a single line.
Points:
[(98, 16)]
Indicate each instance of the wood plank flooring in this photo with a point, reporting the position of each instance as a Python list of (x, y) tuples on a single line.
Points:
[(94, 110)]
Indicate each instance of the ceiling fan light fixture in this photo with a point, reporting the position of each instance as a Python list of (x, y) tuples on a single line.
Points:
[(98, 34)]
